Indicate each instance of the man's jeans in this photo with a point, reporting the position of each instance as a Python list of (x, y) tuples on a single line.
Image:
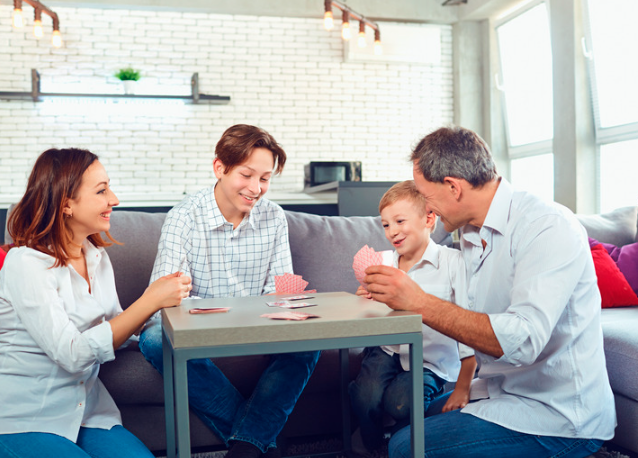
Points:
[(455, 434), (383, 386), (258, 419), (91, 443)]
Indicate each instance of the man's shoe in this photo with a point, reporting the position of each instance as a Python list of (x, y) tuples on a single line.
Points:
[(241, 449)]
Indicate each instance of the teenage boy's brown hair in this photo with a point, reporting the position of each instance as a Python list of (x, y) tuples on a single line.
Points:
[(238, 142), (403, 190)]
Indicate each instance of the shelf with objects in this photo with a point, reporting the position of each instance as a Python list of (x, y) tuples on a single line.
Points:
[(37, 95)]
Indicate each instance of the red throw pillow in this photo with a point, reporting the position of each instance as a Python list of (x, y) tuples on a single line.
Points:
[(613, 286), (2, 256)]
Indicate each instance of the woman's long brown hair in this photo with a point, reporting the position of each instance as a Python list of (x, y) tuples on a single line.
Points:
[(37, 220)]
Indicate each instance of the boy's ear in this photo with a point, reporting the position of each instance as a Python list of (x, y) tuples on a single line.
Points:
[(218, 168), (430, 221)]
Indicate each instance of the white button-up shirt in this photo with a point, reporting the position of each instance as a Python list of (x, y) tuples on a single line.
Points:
[(440, 272), (222, 261), (54, 335), (536, 281)]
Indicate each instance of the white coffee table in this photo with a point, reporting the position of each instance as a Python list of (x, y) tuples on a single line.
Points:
[(346, 321)]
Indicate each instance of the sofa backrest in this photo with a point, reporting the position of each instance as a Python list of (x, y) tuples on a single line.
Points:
[(618, 227)]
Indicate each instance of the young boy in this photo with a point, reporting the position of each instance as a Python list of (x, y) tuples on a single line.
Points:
[(383, 384), (232, 242)]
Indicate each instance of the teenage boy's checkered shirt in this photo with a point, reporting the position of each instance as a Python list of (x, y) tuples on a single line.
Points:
[(223, 262)]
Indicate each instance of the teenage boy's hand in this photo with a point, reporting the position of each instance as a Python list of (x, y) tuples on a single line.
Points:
[(457, 400), (394, 288)]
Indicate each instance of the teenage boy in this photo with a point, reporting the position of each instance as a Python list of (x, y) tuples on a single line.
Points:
[(233, 242), (383, 384)]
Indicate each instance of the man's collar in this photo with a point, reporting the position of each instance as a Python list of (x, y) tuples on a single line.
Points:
[(498, 213)]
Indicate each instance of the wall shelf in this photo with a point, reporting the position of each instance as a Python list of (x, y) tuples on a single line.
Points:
[(37, 96)]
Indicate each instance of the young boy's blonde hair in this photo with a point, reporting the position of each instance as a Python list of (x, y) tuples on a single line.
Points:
[(403, 190)]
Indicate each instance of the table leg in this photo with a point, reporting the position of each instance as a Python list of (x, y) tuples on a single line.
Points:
[(344, 360), (181, 405), (416, 413), (169, 400)]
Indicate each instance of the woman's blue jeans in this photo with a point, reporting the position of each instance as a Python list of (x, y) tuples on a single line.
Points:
[(258, 419), (91, 443), (382, 386), (455, 434)]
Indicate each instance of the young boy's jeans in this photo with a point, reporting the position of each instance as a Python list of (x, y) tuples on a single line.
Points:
[(258, 419), (382, 386)]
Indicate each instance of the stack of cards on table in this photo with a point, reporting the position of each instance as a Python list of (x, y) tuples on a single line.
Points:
[(294, 316), (367, 257), (291, 284)]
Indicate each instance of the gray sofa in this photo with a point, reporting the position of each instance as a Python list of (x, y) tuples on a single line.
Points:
[(322, 251), (619, 328)]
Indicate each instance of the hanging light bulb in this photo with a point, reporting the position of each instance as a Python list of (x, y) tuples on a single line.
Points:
[(56, 38), (17, 18), (378, 49), (346, 33), (362, 34), (328, 20), (37, 24)]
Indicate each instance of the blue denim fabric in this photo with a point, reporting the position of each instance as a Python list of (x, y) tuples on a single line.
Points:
[(91, 443), (258, 419), (382, 386), (455, 434)]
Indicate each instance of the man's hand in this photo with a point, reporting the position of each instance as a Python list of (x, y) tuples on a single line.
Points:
[(394, 288)]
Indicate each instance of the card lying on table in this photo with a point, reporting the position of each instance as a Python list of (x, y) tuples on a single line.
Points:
[(209, 310), (367, 257), (293, 316)]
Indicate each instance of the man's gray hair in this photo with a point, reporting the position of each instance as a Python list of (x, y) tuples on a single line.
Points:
[(454, 152)]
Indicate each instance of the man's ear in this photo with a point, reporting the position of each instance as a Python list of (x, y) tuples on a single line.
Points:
[(218, 168), (455, 187)]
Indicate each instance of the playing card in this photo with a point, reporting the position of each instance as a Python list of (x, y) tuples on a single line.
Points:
[(293, 316), (296, 305), (367, 257), (290, 284), (209, 310), (297, 298), (278, 303)]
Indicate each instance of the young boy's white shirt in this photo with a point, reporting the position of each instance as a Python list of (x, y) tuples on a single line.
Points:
[(440, 272)]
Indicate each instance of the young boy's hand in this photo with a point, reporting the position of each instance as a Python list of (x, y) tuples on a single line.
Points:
[(457, 400), (361, 291)]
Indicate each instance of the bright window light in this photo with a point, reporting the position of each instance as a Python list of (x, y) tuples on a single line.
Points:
[(534, 174), (614, 37), (618, 184), (526, 66)]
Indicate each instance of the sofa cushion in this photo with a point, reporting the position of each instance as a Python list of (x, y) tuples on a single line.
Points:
[(621, 342), (617, 227), (614, 289), (323, 247), (133, 261), (626, 258)]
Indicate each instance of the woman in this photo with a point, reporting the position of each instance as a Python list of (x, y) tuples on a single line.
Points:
[(60, 317)]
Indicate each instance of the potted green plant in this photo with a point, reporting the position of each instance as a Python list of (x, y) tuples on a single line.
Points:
[(128, 76)]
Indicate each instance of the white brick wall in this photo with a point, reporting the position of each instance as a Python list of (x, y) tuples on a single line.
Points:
[(286, 75)]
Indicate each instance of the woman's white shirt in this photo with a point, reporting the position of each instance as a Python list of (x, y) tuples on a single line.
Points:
[(54, 335)]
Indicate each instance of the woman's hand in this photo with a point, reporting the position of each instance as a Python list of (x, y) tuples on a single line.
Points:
[(169, 291)]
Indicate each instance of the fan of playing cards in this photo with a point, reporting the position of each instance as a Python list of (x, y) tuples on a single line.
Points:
[(367, 257), (291, 284)]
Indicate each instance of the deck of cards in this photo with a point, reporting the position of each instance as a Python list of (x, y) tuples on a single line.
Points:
[(367, 257)]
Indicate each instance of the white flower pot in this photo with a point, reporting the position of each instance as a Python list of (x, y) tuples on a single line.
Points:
[(129, 86)]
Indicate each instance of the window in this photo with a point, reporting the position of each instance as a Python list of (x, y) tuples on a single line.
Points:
[(526, 81), (611, 40)]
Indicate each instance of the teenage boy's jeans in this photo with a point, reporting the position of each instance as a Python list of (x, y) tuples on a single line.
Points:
[(258, 419), (455, 434), (382, 386)]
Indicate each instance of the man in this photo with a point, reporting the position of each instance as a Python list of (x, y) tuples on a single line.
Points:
[(533, 313)]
